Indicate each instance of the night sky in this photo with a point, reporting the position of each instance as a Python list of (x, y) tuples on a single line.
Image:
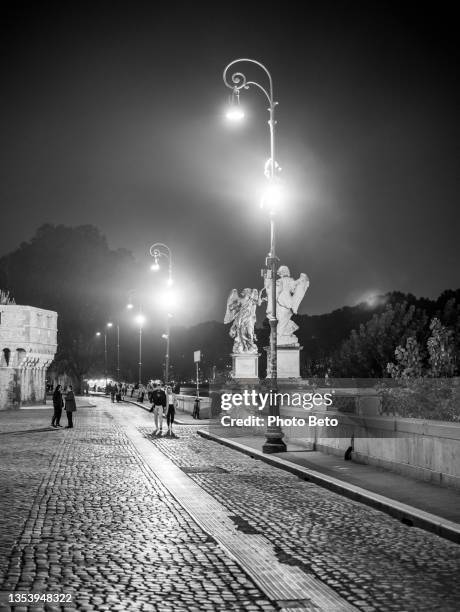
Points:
[(113, 114)]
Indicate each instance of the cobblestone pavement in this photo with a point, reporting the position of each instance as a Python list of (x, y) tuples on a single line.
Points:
[(372, 560), (82, 515), (24, 461)]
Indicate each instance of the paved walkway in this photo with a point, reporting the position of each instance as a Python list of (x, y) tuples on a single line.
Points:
[(124, 521)]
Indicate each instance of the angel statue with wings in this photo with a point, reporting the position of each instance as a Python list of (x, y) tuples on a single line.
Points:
[(289, 294), (241, 309)]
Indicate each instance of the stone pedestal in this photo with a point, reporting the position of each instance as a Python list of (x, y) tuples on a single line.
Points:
[(245, 365), (288, 360)]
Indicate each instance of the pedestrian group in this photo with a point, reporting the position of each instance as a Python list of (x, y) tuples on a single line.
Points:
[(161, 398), (64, 400)]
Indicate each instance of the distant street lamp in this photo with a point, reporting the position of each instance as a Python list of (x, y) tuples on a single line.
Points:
[(157, 251), (118, 352), (271, 200), (140, 320), (108, 326), (130, 304)]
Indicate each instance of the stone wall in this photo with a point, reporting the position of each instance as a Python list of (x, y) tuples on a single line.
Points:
[(28, 342), (186, 403), (424, 449)]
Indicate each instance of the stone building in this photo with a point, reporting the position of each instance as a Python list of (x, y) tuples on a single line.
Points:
[(28, 342)]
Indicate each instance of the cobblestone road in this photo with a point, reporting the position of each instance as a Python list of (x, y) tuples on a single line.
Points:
[(372, 560), (82, 514), (90, 520)]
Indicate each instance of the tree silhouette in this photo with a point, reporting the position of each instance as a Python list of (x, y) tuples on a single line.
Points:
[(71, 271)]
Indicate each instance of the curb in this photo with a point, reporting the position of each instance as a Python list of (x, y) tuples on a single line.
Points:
[(408, 515)]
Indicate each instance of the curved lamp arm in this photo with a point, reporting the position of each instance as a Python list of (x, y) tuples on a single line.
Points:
[(238, 79), (160, 249)]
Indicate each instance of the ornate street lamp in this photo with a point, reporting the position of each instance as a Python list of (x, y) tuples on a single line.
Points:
[(237, 82), (157, 251)]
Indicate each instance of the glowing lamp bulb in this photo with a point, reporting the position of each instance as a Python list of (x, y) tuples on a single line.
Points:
[(155, 266), (169, 300), (130, 306), (140, 319), (235, 113), (273, 197)]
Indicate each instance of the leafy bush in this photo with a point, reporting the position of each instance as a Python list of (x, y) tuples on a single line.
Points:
[(422, 398)]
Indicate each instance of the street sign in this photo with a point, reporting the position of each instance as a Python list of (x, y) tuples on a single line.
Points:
[(196, 356)]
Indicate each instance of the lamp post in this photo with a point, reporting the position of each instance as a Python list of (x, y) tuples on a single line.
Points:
[(110, 325), (166, 336), (157, 251), (238, 81), (140, 320), (118, 352), (107, 326)]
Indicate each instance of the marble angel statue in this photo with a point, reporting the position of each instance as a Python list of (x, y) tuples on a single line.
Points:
[(289, 294), (241, 309)]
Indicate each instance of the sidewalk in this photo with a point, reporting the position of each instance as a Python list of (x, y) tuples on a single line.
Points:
[(417, 503)]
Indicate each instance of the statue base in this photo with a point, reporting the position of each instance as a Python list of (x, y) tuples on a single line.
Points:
[(245, 365), (288, 361)]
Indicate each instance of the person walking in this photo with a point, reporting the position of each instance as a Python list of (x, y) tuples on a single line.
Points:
[(70, 406), (141, 393), (159, 403), (170, 402), (150, 389), (113, 391), (58, 404)]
